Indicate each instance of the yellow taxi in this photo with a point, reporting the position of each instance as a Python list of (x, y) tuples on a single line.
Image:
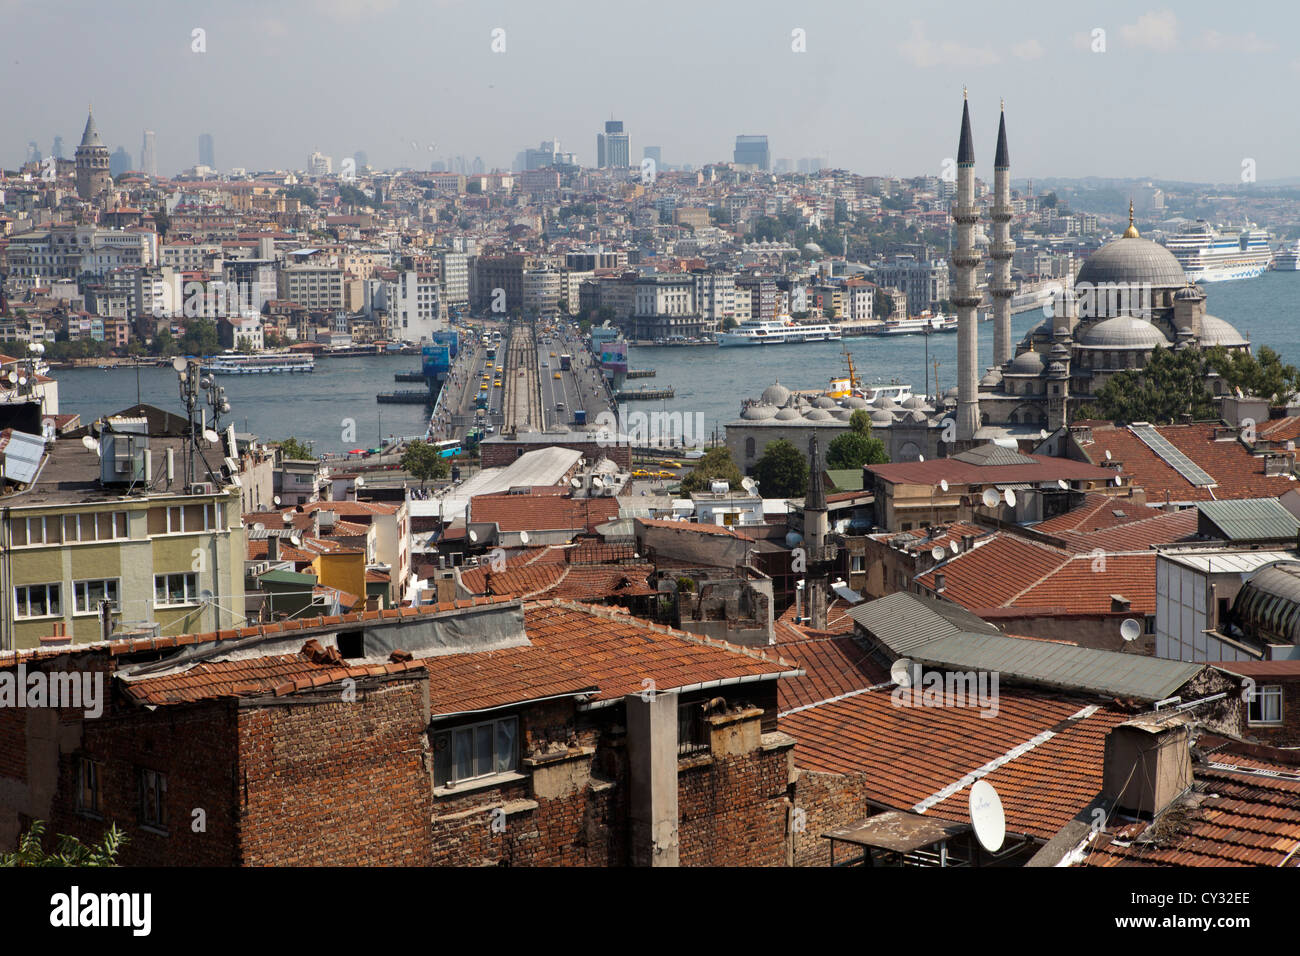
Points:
[(558, 376), (672, 464), (640, 473), (664, 474), (552, 355), (497, 383), (500, 369)]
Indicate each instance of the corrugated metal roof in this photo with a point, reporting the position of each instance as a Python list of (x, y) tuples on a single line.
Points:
[(22, 455), (903, 621), (1222, 560), (1250, 518), (1060, 665)]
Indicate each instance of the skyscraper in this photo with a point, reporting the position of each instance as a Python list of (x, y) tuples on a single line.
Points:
[(92, 162), (119, 162), (966, 259), (57, 150), (613, 148), (207, 152), (752, 151), (655, 153), (148, 156)]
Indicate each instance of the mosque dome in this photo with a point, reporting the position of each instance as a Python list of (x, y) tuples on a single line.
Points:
[(881, 417), (788, 415), (759, 411), (818, 415), (824, 401), (916, 417), (1026, 363), (1124, 332), (916, 401), (1215, 331), (776, 394), (843, 414), (854, 401), (1133, 261)]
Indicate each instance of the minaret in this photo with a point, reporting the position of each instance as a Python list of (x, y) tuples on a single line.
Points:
[(816, 526), (967, 297), (1001, 248)]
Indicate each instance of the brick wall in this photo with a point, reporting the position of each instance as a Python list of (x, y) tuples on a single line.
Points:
[(1286, 735), (337, 783), (732, 810), (828, 800)]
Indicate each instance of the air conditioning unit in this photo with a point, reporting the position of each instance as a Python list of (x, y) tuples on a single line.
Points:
[(203, 488)]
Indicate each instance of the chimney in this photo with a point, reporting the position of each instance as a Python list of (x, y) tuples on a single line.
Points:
[(940, 581), (273, 547), (652, 768), (1118, 603), (1147, 766)]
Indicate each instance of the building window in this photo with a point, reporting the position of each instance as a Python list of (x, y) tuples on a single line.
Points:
[(87, 786), (37, 600), (88, 594), (153, 799), (1266, 705), (170, 590), (475, 751), (858, 563), (1149, 624)]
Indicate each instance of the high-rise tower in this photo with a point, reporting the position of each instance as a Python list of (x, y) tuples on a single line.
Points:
[(967, 295), (92, 162), (148, 156), (1001, 248)]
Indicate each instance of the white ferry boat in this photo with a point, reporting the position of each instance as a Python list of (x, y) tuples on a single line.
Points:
[(778, 332), (918, 325), (239, 363), (1213, 255), (1287, 259)]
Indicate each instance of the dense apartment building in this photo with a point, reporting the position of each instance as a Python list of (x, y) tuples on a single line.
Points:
[(316, 288), (925, 283), (664, 307)]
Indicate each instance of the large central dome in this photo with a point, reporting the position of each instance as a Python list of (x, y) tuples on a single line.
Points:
[(1133, 261)]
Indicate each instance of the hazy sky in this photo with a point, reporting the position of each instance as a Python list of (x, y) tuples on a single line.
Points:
[(1185, 91)]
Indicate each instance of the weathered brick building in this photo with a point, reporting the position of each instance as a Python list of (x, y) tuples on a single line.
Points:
[(486, 732)]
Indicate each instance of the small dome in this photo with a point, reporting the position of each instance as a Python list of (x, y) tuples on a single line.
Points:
[(951, 393), (843, 414), (854, 401), (992, 380), (881, 417), (818, 415), (915, 401), (883, 400), (1189, 291), (1123, 332), (1026, 363), (812, 247), (788, 415), (760, 411), (1133, 261), (1057, 368), (1215, 331), (776, 394), (824, 401), (916, 417)]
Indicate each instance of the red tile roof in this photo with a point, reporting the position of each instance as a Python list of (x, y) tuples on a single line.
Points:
[(536, 512), (1238, 818), (1097, 512), (920, 757), (1238, 473), (694, 526), (1044, 468)]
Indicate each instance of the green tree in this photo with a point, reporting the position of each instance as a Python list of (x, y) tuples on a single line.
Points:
[(782, 472), (1171, 386), (716, 465), (1263, 375), (294, 450), (200, 337), (69, 852), (854, 449), (860, 422), (162, 222), (421, 460), (164, 343)]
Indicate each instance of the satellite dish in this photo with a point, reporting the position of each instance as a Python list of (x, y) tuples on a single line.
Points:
[(1108, 454), (210, 436), (937, 552), (22, 379), (920, 458), (89, 443), (1129, 629), (1118, 481), (575, 482), (597, 482), (986, 816), (296, 538), (956, 548), (990, 498), (749, 484), (943, 484), (473, 537), (900, 672), (258, 526), (179, 364), (276, 499), (1010, 497), (523, 537), (1062, 484)]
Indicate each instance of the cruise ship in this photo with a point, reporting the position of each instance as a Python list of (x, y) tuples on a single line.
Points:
[(1287, 259), (778, 332), (238, 363), (1211, 255)]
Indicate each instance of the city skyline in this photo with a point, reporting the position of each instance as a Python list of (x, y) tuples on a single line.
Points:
[(791, 75)]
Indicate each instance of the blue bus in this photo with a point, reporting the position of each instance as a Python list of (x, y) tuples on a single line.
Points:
[(447, 449)]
